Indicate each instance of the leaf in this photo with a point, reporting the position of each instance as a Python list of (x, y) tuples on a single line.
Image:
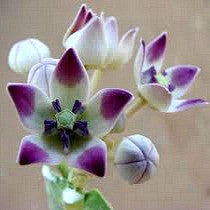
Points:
[(53, 189), (94, 200), (54, 194), (62, 197)]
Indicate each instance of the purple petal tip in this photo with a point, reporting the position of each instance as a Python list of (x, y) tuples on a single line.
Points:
[(23, 98), (93, 160), (70, 70), (191, 103), (31, 153), (184, 75), (156, 48), (113, 102)]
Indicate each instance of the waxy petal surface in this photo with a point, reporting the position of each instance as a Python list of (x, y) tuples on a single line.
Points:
[(32, 105), (77, 23), (182, 105), (70, 80), (182, 77), (35, 149), (89, 155), (40, 74), (90, 42), (139, 62), (156, 95), (104, 108), (126, 46), (155, 52), (111, 34)]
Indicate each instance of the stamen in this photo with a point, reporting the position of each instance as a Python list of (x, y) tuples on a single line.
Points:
[(77, 108), (56, 105), (49, 125), (164, 73), (80, 128), (148, 76), (171, 87), (65, 139), (162, 79)]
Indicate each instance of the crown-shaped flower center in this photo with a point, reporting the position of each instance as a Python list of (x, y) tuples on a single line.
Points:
[(66, 123), (65, 119), (152, 76)]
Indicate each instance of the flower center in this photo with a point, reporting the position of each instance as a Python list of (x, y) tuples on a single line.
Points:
[(161, 79), (65, 119), (152, 76), (66, 123)]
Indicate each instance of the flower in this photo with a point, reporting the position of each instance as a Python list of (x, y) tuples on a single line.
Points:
[(96, 40), (136, 159), (67, 123), (26, 53), (163, 89)]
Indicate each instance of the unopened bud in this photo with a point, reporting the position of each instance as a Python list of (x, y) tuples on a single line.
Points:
[(26, 53), (136, 159), (41, 73)]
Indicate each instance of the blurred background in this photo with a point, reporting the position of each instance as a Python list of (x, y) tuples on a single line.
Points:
[(182, 139)]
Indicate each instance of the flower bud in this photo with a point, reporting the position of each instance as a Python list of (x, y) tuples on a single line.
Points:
[(26, 53), (136, 159), (120, 124), (40, 74), (71, 196)]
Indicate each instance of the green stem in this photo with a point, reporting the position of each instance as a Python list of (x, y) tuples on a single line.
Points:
[(64, 169), (94, 80), (137, 104)]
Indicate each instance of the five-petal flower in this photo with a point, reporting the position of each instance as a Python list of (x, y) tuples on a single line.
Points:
[(95, 38), (163, 89), (67, 123)]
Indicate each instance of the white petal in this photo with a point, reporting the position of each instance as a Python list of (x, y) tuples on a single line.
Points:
[(71, 196), (90, 43), (139, 61), (156, 95)]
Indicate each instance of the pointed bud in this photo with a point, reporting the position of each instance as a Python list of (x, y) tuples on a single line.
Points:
[(26, 53), (136, 159)]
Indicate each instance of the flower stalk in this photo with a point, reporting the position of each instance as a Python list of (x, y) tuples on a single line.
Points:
[(135, 106), (94, 80)]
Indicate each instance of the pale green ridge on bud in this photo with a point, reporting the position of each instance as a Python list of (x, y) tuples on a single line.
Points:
[(26, 53), (136, 159)]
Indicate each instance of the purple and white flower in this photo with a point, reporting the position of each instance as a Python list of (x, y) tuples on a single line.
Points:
[(67, 125), (95, 38), (163, 89)]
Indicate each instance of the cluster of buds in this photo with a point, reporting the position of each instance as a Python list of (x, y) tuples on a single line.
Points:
[(70, 124)]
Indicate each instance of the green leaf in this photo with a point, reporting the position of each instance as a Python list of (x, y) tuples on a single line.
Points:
[(60, 195), (63, 197), (94, 200), (54, 194), (76, 206), (54, 188)]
